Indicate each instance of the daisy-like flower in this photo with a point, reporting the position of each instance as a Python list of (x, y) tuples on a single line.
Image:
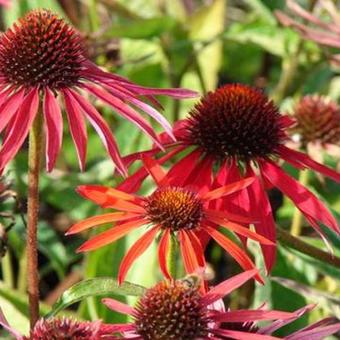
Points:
[(43, 59), (5, 2), (320, 31), (237, 131), (180, 310), (62, 328), (317, 126), (174, 209)]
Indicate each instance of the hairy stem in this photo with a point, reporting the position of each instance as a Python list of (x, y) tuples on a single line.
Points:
[(305, 248), (172, 257), (34, 155)]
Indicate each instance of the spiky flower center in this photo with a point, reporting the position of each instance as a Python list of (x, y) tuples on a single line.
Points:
[(235, 121), (66, 329), (171, 310), (175, 208), (41, 50), (318, 119)]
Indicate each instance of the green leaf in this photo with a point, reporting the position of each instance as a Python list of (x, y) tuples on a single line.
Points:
[(94, 287), (142, 28)]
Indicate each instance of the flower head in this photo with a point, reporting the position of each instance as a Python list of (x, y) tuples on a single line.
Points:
[(318, 120), (42, 56), (322, 32), (235, 132), (175, 310), (174, 209), (62, 328)]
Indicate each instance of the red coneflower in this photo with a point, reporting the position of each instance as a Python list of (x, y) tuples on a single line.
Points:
[(237, 131), (174, 209), (180, 310), (42, 57), (62, 328)]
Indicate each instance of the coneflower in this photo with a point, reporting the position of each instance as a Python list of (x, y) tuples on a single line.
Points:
[(236, 132), (42, 60)]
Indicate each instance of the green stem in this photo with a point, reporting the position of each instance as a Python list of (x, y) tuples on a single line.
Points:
[(22, 276), (172, 257), (93, 15), (7, 271), (295, 228), (305, 248), (34, 156)]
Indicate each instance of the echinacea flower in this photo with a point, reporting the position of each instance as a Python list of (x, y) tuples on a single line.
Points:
[(237, 131), (320, 31), (174, 209), (61, 328), (317, 128), (180, 310), (5, 3), (43, 59)]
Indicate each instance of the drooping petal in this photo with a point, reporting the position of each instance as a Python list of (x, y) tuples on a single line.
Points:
[(251, 315), (155, 170), (77, 128), (54, 128), (227, 189), (238, 335), (235, 251), (289, 154), (98, 220), (318, 333), (190, 258), (239, 229), (262, 211), (22, 123), (118, 306), (163, 250), (302, 197), (102, 129), (230, 216), (111, 235), (10, 106), (126, 111), (223, 289), (135, 251)]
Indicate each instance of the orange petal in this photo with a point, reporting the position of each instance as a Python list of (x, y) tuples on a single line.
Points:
[(135, 251), (163, 250), (227, 189), (110, 235), (155, 170), (98, 220), (190, 259)]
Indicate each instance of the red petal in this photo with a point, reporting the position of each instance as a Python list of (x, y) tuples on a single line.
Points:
[(239, 229), (316, 333), (77, 128), (22, 123), (265, 226), (126, 111), (10, 106), (289, 154), (243, 335), (223, 289), (227, 189), (98, 220), (54, 128), (155, 170), (303, 198), (251, 315), (235, 251), (135, 251), (102, 129), (190, 258), (118, 306), (111, 235), (163, 250), (230, 216)]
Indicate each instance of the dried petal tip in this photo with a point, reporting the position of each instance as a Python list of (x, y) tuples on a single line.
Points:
[(235, 121), (41, 50), (49, 329), (174, 208), (171, 310), (318, 120)]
